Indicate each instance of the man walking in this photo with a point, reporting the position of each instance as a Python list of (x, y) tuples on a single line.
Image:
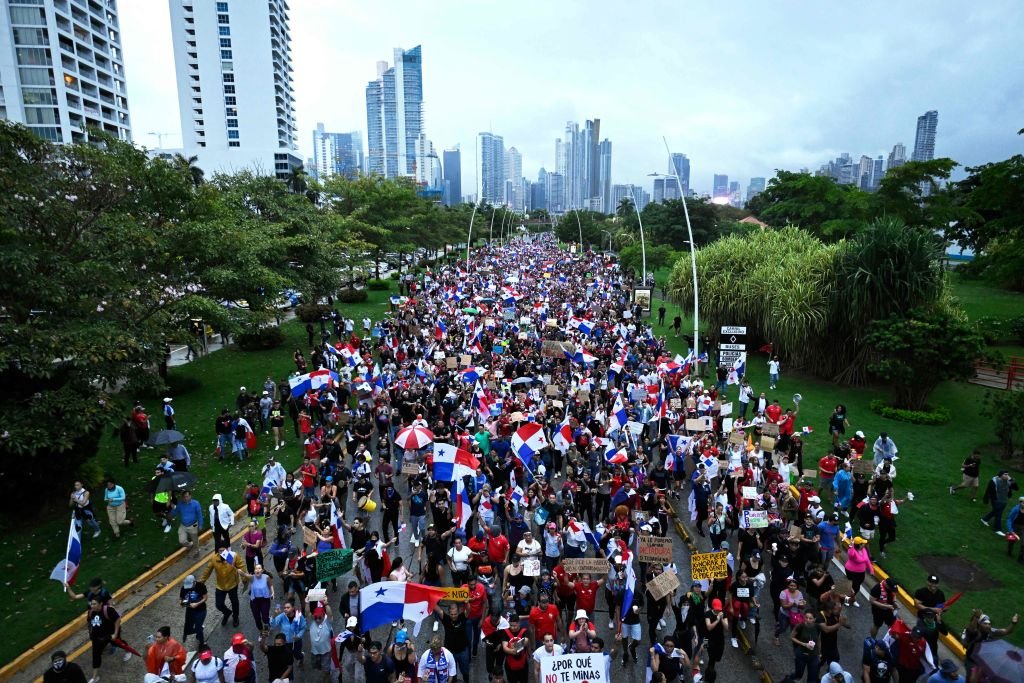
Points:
[(168, 413), (221, 519), (229, 568), (190, 515), (997, 494), (117, 510)]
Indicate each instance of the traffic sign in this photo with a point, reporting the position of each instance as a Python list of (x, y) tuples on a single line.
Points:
[(733, 347), (733, 329)]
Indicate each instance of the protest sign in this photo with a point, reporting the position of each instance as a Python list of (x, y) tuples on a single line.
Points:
[(556, 349), (438, 355), (654, 549), (531, 566), (309, 537), (736, 437), (456, 594), (465, 359), (316, 594), (333, 563), (699, 424), (862, 466), (767, 443), (726, 410), (412, 468), (675, 403), (708, 566), (591, 667), (769, 429), (662, 585), (750, 492), (727, 425), (552, 390), (754, 519), (585, 565), (451, 362)]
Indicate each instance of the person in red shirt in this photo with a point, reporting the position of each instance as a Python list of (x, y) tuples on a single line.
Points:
[(545, 619), (308, 473), (827, 467), (586, 592), (497, 550), (786, 426), (475, 611), (564, 594), (857, 443), (479, 561), (773, 412)]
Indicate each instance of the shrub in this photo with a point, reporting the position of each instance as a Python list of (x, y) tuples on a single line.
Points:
[(312, 312), (262, 339), (393, 276), (378, 285), (352, 296), (928, 416), (92, 476)]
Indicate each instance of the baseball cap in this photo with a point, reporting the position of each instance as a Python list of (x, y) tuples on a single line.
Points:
[(238, 639), (401, 636), (948, 666), (319, 612), (205, 655), (352, 622), (716, 604), (933, 579), (190, 581)]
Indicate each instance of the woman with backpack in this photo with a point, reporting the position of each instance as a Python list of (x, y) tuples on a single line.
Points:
[(516, 649)]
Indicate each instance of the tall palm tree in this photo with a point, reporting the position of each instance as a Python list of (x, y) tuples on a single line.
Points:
[(189, 164)]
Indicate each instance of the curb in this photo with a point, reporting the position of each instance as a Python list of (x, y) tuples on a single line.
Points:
[(67, 630)]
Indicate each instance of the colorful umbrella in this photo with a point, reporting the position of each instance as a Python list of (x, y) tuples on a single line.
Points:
[(414, 438)]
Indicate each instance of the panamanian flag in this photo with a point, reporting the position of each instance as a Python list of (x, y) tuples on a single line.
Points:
[(619, 417), (386, 602), (527, 440), (67, 569), (563, 436), (452, 463), (313, 380), (739, 368)]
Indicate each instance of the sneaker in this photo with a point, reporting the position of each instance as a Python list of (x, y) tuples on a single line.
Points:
[(735, 643), (96, 534), (661, 623), (1001, 533), (127, 656), (952, 490), (277, 448), (985, 522), (167, 529), (856, 604), (436, 626), (743, 623), (611, 624)]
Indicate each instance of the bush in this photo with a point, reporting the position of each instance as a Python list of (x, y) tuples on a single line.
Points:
[(312, 312), (393, 276), (262, 339), (929, 416), (352, 296), (92, 476), (378, 285)]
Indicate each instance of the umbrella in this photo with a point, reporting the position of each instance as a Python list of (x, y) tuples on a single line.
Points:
[(487, 300), (175, 481), (1000, 661), (471, 310), (523, 380), (414, 438), (165, 437)]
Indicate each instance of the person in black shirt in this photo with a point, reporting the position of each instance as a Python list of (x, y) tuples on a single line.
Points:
[(279, 657), (883, 604), (378, 669), (930, 597), (193, 598), (63, 671), (456, 639), (392, 502), (877, 662), (715, 624)]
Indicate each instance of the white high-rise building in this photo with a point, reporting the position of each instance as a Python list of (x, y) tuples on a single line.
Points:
[(62, 72), (234, 69), (490, 170), (513, 177)]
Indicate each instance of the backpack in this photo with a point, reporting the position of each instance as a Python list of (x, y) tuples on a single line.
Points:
[(516, 662)]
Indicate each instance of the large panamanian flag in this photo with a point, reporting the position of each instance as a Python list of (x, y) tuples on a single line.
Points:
[(389, 601), (67, 569)]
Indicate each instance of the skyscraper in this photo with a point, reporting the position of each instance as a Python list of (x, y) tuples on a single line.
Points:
[(755, 187), (865, 172), (336, 153), (490, 172), (234, 72), (924, 140), (877, 172), (679, 165), (556, 193), (734, 194), (394, 115), (513, 178), (605, 177), (452, 176), (539, 191), (63, 70), (720, 188), (898, 156), (578, 158), (665, 189)]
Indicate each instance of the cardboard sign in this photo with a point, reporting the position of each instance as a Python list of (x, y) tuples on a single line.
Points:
[(456, 594), (451, 363), (754, 519), (725, 410), (333, 563), (587, 667), (531, 566), (584, 396), (708, 566), (769, 429), (736, 437), (410, 468), (862, 466), (556, 349), (663, 584), (767, 444), (654, 549), (552, 390), (557, 404), (465, 359), (585, 565), (316, 594), (309, 537), (700, 424)]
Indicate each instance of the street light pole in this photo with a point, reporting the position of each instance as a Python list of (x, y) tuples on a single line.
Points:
[(693, 254), (490, 238), (469, 238), (580, 226), (609, 239), (643, 245)]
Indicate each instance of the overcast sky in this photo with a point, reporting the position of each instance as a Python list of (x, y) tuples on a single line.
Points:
[(742, 88)]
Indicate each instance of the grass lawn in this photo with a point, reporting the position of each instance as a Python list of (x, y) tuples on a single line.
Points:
[(981, 300), (935, 523), (39, 605)]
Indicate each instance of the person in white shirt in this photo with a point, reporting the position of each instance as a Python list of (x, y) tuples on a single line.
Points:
[(528, 547), (458, 562), (773, 372), (437, 664), (222, 518), (549, 649)]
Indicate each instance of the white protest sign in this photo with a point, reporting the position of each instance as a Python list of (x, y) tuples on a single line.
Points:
[(634, 427), (531, 566), (754, 519), (726, 409), (750, 492), (591, 667)]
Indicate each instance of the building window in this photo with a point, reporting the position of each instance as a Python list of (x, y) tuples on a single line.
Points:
[(234, 143), (229, 90), (224, 30), (225, 42), (227, 66), (232, 123), (222, 19), (231, 111), (33, 56), (225, 54), (222, 7), (231, 101), (228, 78), (232, 135)]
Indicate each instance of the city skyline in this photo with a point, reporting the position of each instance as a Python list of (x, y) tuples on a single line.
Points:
[(747, 125)]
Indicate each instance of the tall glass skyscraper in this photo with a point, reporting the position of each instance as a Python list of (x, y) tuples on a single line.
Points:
[(452, 176), (490, 172), (924, 141), (394, 115), (679, 165)]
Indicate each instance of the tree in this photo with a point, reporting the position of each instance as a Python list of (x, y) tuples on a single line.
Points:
[(914, 193), (1005, 409), (189, 164), (818, 204), (591, 223), (658, 256), (920, 349)]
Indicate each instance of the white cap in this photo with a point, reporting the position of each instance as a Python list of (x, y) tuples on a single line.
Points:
[(352, 622), (581, 614), (859, 434), (241, 388), (168, 399)]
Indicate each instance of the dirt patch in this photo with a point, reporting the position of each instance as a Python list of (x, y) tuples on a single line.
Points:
[(957, 574)]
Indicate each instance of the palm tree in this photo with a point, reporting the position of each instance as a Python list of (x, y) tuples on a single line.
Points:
[(189, 164), (298, 180), (625, 207)]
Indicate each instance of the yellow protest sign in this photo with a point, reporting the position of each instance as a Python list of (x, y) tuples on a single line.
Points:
[(708, 566), (456, 594)]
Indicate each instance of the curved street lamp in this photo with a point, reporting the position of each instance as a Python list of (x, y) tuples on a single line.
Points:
[(469, 237), (643, 245)]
